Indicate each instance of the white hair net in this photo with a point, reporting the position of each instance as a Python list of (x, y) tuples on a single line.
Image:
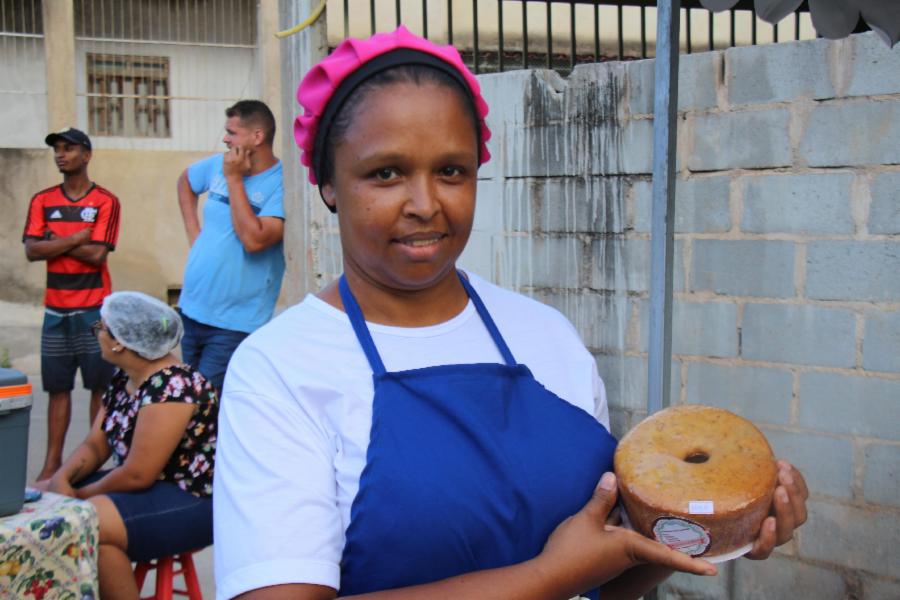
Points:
[(142, 323)]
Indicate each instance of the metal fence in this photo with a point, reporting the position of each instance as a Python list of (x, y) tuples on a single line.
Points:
[(500, 35)]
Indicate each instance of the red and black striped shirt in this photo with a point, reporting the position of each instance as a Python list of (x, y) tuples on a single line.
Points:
[(72, 283)]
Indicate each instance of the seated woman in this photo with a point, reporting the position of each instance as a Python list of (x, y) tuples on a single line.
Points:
[(415, 431), (158, 421)]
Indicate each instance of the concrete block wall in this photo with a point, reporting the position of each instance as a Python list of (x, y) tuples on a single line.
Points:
[(787, 268)]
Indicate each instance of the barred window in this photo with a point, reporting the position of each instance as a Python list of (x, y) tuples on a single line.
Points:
[(128, 96), (21, 16)]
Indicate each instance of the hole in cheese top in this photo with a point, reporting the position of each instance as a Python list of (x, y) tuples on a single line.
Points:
[(697, 457), (695, 452)]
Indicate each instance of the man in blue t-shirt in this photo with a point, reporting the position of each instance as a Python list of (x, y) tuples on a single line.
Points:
[(234, 269)]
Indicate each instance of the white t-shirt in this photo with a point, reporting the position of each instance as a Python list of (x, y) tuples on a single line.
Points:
[(296, 412)]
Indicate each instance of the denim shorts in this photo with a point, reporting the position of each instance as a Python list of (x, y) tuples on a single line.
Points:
[(162, 520)]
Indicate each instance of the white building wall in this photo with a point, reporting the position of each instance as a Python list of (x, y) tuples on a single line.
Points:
[(203, 82), (23, 92)]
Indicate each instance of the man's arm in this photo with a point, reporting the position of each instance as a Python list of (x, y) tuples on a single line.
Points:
[(187, 200), (92, 253), (255, 233), (56, 246), (102, 235)]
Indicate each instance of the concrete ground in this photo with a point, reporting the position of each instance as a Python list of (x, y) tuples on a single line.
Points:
[(20, 330)]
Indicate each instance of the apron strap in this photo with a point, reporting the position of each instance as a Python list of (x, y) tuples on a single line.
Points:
[(351, 306), (359, 328), (488, 321)]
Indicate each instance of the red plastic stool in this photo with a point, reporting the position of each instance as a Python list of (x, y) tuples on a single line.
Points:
[(165, 577)]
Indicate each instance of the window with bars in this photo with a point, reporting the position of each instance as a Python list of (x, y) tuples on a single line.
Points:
[(128, 96), (21, 17)]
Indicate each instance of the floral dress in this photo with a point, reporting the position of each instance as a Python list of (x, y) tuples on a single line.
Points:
[(191, 465)]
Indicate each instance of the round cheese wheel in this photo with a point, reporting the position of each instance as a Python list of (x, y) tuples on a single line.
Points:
[(698, 479)]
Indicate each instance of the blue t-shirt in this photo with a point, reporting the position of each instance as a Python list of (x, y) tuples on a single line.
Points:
[(225, 286)]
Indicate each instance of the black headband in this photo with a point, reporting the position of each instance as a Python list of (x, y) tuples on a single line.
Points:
[(383, 62)]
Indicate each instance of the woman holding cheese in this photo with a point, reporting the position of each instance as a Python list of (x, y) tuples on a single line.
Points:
[(414, 431)]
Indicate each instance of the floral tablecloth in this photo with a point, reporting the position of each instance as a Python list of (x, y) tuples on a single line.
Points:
[(48, 551)]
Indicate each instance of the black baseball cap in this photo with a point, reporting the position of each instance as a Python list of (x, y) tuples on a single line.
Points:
[(71, 135)]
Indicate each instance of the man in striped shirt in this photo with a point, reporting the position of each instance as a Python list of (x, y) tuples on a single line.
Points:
[(72, 226)]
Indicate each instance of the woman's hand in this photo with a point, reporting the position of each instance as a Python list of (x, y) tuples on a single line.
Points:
[(587, 551), (788, 512), (61, 485)]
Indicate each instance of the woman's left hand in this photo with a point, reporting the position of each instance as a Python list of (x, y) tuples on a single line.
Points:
[(59, 485), (788, 512)]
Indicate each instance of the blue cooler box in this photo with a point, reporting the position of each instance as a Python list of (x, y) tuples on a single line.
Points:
[(15, 410)]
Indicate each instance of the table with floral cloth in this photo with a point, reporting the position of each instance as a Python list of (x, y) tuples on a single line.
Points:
[(48, 551)]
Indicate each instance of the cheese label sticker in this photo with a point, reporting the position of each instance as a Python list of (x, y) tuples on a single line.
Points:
[(700, 507), (682, 535)]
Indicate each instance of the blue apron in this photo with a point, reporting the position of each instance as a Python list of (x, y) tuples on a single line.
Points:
[(469, 467)]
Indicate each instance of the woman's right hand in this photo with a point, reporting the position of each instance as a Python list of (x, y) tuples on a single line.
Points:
[(587, 551)]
